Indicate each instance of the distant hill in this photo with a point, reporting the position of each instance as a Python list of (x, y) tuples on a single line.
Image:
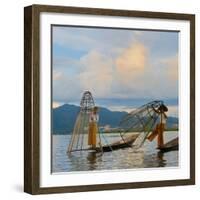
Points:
[(64, 117)]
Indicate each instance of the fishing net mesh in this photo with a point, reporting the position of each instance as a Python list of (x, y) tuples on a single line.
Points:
[(141, 122)]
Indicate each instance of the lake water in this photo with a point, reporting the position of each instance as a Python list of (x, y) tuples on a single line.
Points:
[(146, 157)]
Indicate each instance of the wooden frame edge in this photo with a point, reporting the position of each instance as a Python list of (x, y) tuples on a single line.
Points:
[(27, 99), (31, 99), (192, 98)]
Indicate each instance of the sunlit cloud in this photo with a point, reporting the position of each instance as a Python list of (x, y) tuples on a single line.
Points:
[(131, 63)]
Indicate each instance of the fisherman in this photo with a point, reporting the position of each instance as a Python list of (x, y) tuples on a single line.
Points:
[(159, 129), (93, 127)]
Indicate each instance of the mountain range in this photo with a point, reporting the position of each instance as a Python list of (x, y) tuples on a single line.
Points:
[(64, 117)]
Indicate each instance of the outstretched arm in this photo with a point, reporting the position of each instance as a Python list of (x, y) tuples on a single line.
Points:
[(156, 110)]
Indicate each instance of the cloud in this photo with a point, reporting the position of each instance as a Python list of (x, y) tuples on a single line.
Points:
[(97, 74), (173, 111), (105, 41), (171, 64), (129, 75), (92, 72), (141, 75), (131, 63), (67, 89), (113, 77), (56, 104), (114, 64), (57, 75)]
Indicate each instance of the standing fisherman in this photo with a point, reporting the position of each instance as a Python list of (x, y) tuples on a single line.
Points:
[(159, 130), (93, 127)]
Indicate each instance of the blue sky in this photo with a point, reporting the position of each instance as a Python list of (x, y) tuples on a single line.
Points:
[(118, 66)]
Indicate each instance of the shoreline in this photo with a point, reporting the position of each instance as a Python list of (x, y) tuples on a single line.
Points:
[(114, 132)]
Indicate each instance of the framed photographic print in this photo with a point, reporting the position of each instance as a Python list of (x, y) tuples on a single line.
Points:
[(109, 99)]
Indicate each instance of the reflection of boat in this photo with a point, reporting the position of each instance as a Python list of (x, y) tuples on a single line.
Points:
[(172, 145)]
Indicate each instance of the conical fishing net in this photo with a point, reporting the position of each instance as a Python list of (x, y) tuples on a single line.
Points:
[(79, 138)]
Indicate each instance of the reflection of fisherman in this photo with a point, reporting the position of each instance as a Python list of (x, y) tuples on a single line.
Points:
[(93, 127), (159, 129)]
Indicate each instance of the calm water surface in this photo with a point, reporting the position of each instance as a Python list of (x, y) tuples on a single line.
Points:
[(146, 157)]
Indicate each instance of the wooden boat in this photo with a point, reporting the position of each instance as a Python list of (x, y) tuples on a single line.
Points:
[(172, 145), (123, 143)]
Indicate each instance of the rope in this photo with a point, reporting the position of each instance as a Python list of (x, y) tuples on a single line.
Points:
[(105, 140)]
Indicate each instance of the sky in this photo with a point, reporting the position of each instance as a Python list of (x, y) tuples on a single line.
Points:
[(122, 68)]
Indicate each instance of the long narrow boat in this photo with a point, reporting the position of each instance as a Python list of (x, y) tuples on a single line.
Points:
[(123, 143), (172, 145)]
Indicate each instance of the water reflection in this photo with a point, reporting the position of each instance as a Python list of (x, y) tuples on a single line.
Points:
[(161, 160), (92, 162), (146, 157)]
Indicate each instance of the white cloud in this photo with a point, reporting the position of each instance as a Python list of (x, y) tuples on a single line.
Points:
[(57, 75), (56, 104), (97, 76)]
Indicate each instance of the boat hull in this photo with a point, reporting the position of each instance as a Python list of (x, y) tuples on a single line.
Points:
[(172, 145), (124, 143)]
